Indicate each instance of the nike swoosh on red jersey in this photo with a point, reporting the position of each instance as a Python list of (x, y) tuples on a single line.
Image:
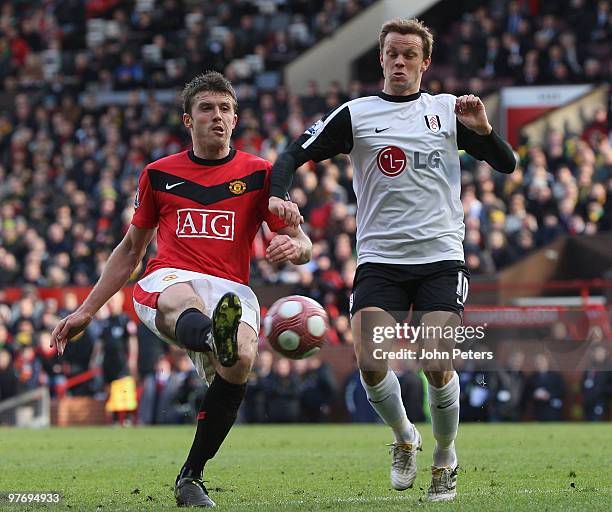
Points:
[(204, 194), (168, 186)]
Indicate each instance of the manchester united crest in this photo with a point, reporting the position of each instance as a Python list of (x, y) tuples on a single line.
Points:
[(237, 187)]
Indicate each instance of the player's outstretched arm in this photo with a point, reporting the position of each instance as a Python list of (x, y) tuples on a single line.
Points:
[(280, 181), (330, 136), (117, 270), (290, 244), (475, 134)]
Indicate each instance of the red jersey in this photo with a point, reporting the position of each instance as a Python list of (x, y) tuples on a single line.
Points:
[(207, 211)]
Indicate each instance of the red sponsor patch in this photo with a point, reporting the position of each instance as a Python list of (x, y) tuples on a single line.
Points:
[(198, 223), (201, 415), (391, 161)]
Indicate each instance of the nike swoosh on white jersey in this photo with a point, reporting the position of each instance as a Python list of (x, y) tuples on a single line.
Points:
[(168, 186)]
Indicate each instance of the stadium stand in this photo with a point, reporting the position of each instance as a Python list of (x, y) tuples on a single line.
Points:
[(80, 115)]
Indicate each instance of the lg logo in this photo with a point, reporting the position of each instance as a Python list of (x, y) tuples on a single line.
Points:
[(195, 223), (425, 161), (392, 160)]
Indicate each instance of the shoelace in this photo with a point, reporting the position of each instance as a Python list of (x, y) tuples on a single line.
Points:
[(196, 481), (442, 478), (200, 483), (400, 462)]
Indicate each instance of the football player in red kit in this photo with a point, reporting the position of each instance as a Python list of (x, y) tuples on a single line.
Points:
[(207, 204)]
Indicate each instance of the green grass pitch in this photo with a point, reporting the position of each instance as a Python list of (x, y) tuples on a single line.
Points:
[(328, 467)]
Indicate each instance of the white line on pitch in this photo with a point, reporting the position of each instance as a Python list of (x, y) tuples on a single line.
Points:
[(410, 498)]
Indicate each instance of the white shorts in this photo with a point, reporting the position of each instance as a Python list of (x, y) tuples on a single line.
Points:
[(209, 288)]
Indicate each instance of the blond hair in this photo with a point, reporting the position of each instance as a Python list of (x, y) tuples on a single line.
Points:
[(408, 26)]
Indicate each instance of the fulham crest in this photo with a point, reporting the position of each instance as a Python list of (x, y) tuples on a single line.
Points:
[(433, 123)]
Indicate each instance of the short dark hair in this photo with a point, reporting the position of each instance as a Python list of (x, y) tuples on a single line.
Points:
[(408, 26), (211, 81)]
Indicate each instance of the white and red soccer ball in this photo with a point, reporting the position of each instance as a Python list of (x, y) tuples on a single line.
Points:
[(296, 326)]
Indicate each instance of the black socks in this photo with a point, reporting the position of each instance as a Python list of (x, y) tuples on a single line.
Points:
[(192, 330), (217, 415), (221, 402)]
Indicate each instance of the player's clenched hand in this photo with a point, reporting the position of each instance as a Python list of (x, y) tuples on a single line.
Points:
[(470, 111), (69, 328), (286, 210), (282, 248)]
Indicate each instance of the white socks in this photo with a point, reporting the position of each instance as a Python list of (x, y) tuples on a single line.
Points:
[(444, 407), (386, 399)]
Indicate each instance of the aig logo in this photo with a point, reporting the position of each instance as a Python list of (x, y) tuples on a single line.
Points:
[(195, 223)]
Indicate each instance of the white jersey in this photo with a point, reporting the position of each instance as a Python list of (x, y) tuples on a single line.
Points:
[(406, 172), (407, 176)]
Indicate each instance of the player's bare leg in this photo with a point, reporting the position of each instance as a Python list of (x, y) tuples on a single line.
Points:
[(182, 315), (444, 407), (384, 394)]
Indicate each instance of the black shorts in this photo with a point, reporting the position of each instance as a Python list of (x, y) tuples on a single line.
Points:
[(438, 286)]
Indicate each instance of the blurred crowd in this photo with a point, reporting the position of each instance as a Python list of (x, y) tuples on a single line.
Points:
[(516, 42), (167, 389), (79, 119), (110, 45), (512, 394)]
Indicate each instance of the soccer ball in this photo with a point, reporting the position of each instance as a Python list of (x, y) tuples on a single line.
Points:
[(296, 326)]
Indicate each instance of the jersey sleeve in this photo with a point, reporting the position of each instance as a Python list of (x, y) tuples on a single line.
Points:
[(273, 221), (490, 148), (328, 137), (146, 214)]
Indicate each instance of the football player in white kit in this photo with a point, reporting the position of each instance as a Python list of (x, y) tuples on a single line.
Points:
[(403, 144)]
